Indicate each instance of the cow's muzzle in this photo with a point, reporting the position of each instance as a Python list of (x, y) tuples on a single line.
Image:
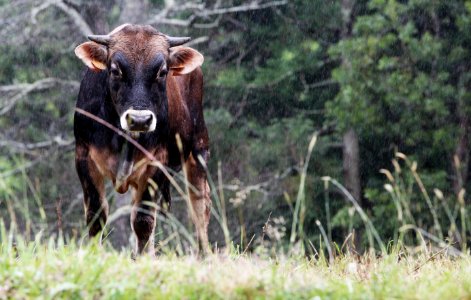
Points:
[(138, 120)]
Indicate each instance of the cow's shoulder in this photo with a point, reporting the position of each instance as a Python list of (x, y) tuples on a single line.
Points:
[(93, 90), (94, 98)]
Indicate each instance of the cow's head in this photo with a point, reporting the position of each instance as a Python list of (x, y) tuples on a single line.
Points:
[(138, 60)]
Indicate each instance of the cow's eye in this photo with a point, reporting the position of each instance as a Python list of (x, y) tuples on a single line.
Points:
[(115, 71), (162, 73)]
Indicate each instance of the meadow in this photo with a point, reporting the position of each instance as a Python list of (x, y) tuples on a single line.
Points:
[(52, 270), (416, 264)]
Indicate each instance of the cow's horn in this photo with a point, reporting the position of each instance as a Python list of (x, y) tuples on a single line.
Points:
[(100, 39), (177, 41)]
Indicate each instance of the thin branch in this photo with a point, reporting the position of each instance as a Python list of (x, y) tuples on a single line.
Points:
[(39, 84), (241, 8), (322, 83), (25, 147), (67, 9), (23, 89), (265, 186), (208, 25), (174, 22), (200, 12), (199, 40)]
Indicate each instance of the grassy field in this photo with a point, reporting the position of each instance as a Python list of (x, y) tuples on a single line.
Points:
[(433, 266), (55, 271)]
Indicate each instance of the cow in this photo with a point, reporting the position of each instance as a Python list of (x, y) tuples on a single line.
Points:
[(149, 86)]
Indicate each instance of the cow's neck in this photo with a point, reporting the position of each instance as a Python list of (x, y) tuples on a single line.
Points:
[(125, 162)]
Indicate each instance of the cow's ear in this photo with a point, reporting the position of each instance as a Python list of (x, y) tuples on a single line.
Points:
[(93, 55), (184, 60)]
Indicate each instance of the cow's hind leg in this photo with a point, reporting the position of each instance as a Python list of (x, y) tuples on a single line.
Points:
[(200, 201), (96, 206), (143, 219)]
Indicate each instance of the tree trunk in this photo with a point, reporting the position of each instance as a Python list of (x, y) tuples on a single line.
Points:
[(351, 164), (133, 11), (350, 145), (94, 13), (461, 155), (351, 153), (347, 7)]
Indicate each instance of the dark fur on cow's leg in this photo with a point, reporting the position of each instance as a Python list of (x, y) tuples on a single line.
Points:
[(143, 220), (96, 206), (164, 188), (200, 209)]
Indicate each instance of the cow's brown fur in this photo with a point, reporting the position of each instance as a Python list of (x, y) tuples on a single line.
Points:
[(138, 43), (185, 118)]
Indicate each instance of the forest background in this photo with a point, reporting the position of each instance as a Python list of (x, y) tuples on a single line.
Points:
[(384, 85)]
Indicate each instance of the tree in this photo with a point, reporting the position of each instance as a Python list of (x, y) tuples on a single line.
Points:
[(403, 89)]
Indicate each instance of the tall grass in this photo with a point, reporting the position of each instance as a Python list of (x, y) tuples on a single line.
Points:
[(419, 262), (442, 210), (448, 215)]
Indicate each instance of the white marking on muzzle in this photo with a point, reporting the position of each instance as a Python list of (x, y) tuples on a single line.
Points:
[(124, 123)]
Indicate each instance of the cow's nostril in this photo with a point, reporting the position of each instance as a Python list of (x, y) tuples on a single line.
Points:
[(139, 120), (149, 120), (129, 120)]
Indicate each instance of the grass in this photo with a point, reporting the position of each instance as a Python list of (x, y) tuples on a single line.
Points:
[(420, 262), (55, 271)]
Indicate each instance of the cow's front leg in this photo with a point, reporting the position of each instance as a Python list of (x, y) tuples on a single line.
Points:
[(143, 219), (96, 206), (200, 202), (164, 187)]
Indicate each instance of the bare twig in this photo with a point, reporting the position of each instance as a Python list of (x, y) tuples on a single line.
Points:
[(22, 89), (431, 258), (39, 84), (199, 11), (265, 226), (197, 41), (262, 187), (59, 214), (25, 147), (248, 245), (67, 9), (242, 8)]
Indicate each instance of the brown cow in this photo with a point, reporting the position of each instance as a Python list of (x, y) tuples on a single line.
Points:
[(148, 85)]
